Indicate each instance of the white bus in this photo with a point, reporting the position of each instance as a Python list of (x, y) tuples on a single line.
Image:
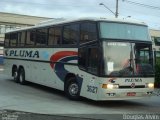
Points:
[(100, 59)]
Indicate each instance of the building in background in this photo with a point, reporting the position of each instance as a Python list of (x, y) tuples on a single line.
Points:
[(155, 36), (10, 21)]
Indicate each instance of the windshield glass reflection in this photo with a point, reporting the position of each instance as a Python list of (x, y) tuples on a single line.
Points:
[(127, 59)]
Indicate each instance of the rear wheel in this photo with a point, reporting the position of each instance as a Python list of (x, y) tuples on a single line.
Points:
[(72, 89), (22, 76), (15, 75)]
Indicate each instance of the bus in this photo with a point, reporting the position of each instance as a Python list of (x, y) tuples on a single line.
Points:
[(96, 58)]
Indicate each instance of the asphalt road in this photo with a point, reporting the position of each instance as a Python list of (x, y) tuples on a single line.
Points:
[(39, 99)]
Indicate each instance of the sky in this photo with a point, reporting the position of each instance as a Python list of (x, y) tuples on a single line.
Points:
[(86, 8)]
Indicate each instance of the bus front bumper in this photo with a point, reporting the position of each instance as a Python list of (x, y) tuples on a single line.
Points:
[(124, 94)]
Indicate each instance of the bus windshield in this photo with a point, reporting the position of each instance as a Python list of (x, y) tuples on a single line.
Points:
[(127, 59), (123, 31)]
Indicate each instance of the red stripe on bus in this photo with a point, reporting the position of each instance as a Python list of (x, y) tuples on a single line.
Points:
[(58, 55)]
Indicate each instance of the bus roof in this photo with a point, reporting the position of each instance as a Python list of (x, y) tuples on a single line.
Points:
[(59, 21)]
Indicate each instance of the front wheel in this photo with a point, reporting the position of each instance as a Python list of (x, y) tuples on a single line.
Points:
[(72, 89)]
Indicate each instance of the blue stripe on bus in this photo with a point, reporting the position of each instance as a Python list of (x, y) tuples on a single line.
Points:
[(61, 72)]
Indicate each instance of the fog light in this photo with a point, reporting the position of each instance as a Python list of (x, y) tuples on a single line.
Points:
[(150, 85)]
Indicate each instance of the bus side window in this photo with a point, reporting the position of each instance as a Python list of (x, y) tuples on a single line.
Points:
[(71, 34), (41, 37), (142, 54), (13, 39), (157, 57), (54, 37), (93, 60), (31, 37), (157, 41), (19, 38), (88, 59), (82, 58), (7, 38), (88, 32), (22, 38)]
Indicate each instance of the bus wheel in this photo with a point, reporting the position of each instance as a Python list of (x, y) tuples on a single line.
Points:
[(22, 80), (72, 89), (15, 75)]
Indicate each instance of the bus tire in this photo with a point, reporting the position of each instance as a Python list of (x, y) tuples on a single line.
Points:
[(15, 74), (22, 80), (72, 89)]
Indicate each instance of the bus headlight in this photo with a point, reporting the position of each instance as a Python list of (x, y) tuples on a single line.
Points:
[(110, 86), (150, 85)]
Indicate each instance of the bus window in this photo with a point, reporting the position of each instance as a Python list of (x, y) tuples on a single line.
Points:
[(31, 36), (13, 39), (82, 59), (144, 63), (88, 32), (157, 57), (54, 37), (157, 41), (19, 38), (93, 60), (7, 37), (70, 34), (41, 37), (119, 31), (88, 59), (22, 39), (144, 55)]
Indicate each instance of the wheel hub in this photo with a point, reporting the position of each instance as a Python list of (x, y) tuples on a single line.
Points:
[(73, 89)]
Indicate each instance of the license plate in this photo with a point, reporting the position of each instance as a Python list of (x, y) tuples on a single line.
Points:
[(131, 94)]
